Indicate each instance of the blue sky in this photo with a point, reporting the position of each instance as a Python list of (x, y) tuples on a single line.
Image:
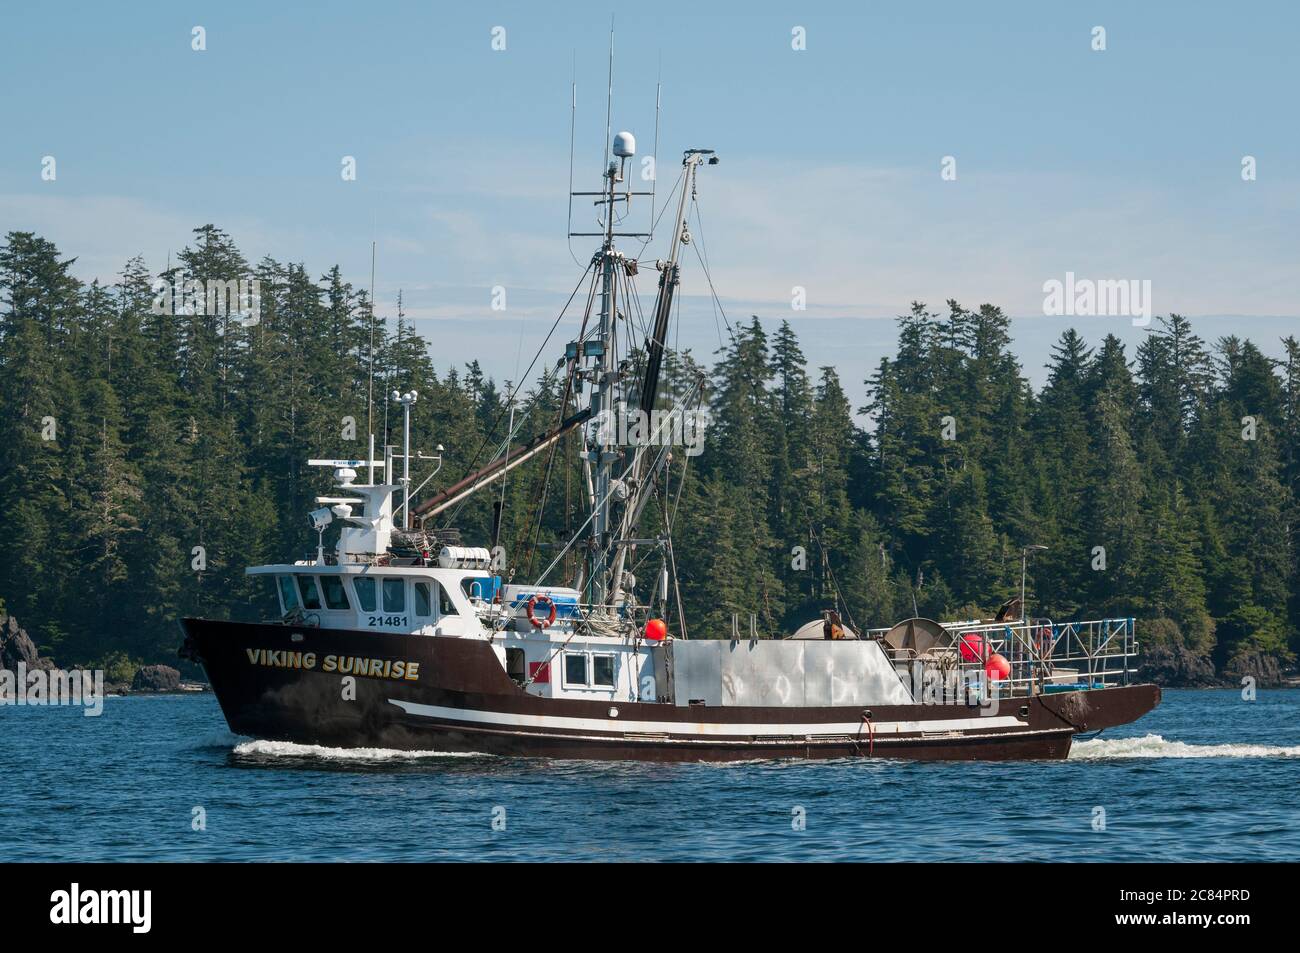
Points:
[(1116, 164)]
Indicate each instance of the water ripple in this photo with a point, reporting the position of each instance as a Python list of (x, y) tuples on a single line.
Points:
[(1207, 776)]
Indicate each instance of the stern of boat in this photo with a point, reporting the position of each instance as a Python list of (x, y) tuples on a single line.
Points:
[(1094, 709)]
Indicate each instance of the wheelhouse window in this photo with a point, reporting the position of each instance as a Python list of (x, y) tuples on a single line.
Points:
[(602, 671), (365, 590), (394, 595), (288, 595), (423, 599), (575, 669), (445, 605), (335, 595), (310, 594)]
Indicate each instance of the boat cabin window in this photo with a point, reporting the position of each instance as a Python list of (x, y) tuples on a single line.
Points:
[(575, 669), (335, 596), (310, 595), (288, 595), (365, 590), (445, 605), (589, 670), (515, 665), (394, 595), (423, 599)]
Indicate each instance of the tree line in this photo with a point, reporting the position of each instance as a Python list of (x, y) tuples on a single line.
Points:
[(147, 457)]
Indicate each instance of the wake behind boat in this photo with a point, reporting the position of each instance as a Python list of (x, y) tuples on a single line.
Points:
[(400, 637)]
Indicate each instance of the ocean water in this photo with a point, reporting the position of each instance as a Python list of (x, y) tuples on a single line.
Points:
[(1207, 776)]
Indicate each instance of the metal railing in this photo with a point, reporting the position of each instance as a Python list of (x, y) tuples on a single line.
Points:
[(1041, 656)]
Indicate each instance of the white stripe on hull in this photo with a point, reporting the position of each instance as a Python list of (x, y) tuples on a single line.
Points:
[(518, 720)]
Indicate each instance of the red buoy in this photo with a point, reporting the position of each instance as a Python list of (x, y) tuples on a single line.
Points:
[(656, 630), (997, 668), (971, 646)]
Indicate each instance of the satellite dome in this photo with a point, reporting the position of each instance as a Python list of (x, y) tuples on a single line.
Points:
[(624, 145)]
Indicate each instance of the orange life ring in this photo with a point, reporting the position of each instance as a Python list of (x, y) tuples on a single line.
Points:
[(532, 605)]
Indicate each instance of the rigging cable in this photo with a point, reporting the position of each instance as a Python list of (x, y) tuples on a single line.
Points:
[(510, 429), (473, 463), (550, 459), (608, 493), (835, 585), (701, 253), (667, 204)]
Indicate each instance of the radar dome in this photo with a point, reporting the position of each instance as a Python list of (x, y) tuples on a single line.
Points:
[(624, 145)]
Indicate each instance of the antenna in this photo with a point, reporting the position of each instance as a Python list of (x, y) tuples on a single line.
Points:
[(573, 124), (623, 147), (370, 386), (654, 152), (609, 97), (406, 400)]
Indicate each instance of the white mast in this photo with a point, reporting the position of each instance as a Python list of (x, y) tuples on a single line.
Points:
[(604, 372), (604, 405), (406, 400)]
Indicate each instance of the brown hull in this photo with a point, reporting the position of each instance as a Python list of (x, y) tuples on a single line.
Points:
[(462, 701)]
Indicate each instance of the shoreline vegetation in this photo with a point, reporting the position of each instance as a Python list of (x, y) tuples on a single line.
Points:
[(147, 455)]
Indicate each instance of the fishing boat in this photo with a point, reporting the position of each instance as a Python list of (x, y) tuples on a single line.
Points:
[(398, 635)]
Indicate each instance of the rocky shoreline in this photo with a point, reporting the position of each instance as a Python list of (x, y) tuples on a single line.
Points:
[(156, 680), (185, 688), (17, 647), (1173, 666)]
